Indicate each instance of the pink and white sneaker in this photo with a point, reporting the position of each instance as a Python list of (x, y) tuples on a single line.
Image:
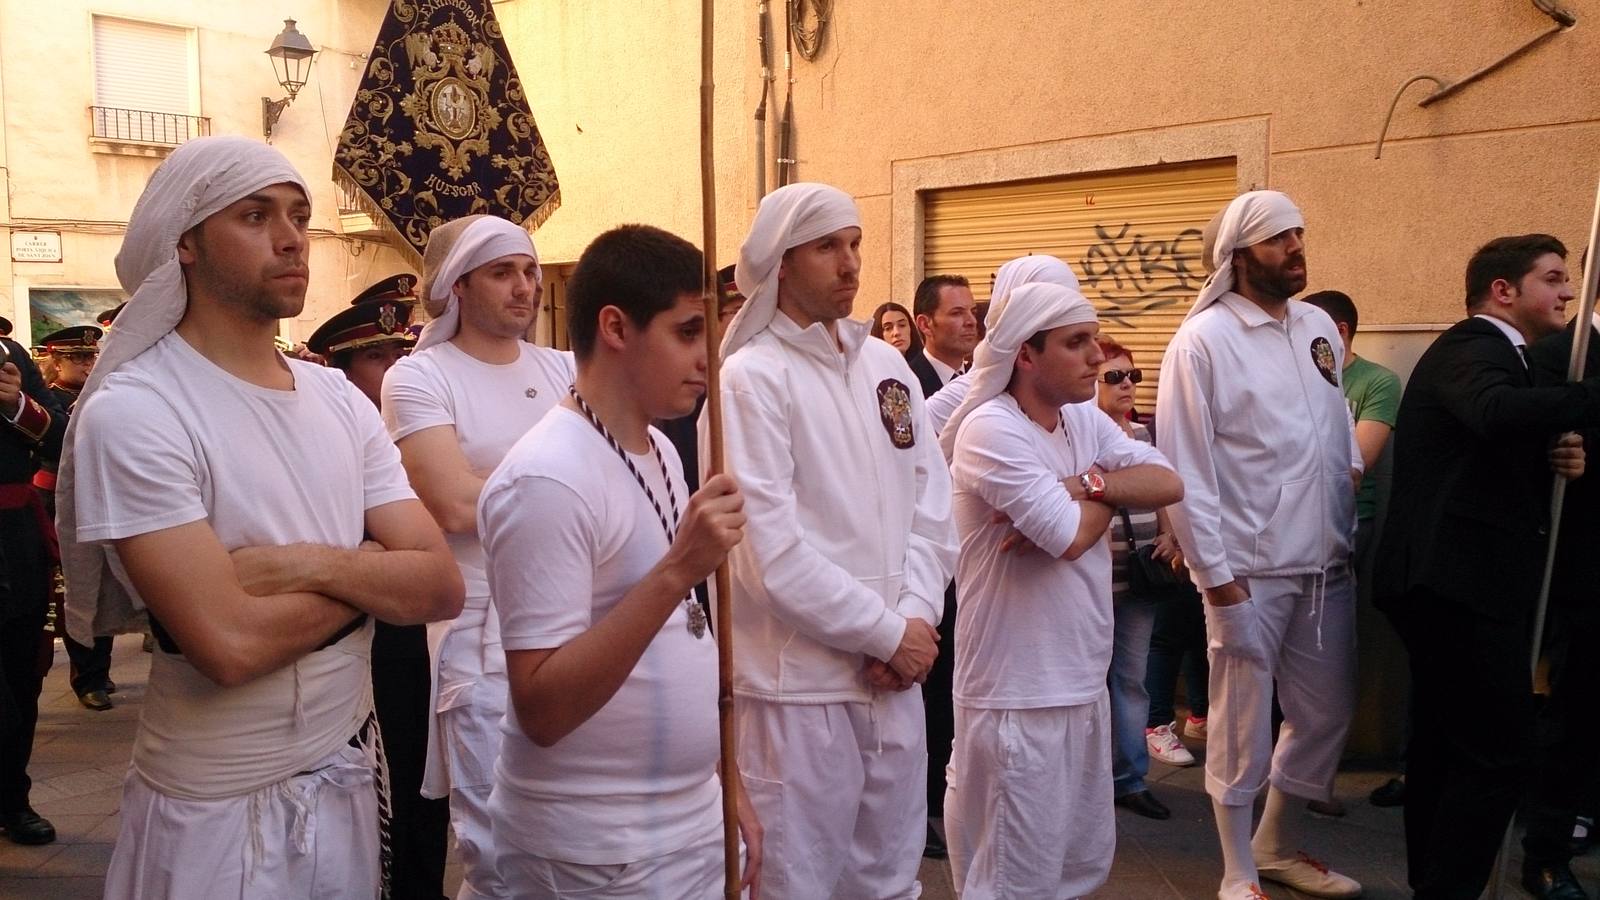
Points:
[(1165, 746)]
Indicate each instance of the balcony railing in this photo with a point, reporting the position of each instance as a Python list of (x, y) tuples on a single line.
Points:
[(348, 202), (144, 126)]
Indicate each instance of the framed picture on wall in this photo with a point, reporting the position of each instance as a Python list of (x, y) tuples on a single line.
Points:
[(52, 309)]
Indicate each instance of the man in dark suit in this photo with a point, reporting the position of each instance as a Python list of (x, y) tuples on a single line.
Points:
[(944, 311), (1565, 783), (946, 316), (1459, 564)]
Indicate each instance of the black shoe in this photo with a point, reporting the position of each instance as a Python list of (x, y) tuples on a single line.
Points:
[(935, 847), (1552, 882), (1145, 804), (95, 700), (27, 827), (111, 686), (1390, 793)]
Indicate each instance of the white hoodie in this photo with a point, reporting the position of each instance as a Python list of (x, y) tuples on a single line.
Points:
[(848, 500), (1252, 416)]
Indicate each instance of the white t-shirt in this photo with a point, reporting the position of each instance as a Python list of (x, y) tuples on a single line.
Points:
[(1032, 629), (170, 438), (490, 406), (568, 532)]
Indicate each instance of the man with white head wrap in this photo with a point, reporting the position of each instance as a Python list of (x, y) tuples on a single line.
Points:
[(840, 579), (255, 507), (1030, 269), (463, 397), (1038, 470), (1252, 415)]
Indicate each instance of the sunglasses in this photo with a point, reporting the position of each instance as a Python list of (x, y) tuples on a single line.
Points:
[(1116, 376)]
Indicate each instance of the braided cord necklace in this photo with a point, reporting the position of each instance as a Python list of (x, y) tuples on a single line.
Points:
[(697, 615)]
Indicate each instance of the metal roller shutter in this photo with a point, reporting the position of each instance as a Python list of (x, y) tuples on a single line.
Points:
[(1132, 236)]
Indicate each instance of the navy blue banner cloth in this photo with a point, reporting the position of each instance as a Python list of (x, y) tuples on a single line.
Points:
[(441, 128)]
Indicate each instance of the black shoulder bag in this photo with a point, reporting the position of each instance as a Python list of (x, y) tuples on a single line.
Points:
[(1150, 578)]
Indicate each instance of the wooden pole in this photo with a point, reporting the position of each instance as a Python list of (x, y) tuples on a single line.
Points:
[(1558, 493), (728, 766)]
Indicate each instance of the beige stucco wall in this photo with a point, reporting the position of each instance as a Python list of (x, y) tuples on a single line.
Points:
[(615, 88), (905, 95), (56, 182)]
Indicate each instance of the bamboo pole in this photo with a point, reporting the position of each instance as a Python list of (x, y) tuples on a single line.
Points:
[(728, 766), (1558, 494)]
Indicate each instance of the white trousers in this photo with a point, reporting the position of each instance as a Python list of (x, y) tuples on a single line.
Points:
[(1299, 632), (309, 836), (1028, 808), (470, 703), (841, 789), (688, 874)]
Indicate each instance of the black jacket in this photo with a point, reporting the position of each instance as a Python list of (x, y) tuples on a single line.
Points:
[(925, 373), (1577, 575), (1469, 511)]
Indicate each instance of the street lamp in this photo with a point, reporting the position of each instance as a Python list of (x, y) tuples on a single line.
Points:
[(291, 57)]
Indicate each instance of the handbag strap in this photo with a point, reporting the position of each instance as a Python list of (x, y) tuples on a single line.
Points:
[(1127, 526)]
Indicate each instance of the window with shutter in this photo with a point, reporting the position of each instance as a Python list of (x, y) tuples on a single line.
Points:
[(144, 86)]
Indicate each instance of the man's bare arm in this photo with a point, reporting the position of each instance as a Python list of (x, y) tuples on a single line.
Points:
[(412, 580), (555, 691), (185, 576), (442, 477), (1146, 486), (1094, 518), (1371, 435)]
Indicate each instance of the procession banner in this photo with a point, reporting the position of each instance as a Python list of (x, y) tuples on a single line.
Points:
[(441, 127)]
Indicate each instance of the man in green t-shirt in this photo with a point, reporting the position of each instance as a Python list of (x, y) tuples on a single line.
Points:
[(1373, 393)]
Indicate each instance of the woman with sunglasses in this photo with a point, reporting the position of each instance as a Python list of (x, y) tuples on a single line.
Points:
[(1135, 616)]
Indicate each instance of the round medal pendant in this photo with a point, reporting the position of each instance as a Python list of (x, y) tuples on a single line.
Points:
[(697, 617)]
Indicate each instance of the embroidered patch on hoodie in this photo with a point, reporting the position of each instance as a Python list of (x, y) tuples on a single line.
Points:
[(1322, 355), (894, 408)]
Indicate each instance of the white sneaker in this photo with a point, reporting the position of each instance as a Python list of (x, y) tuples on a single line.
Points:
[(1247, 891), (1194, 729), (1165, 746), (1309, 876)]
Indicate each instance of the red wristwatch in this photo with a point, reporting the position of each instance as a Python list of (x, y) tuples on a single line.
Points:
[(1094, 486)]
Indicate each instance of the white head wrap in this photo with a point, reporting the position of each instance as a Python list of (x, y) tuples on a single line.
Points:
[(788, 217), (1036, 268), (1021, 314), (199, 179), (454, 249), (1251, 218)]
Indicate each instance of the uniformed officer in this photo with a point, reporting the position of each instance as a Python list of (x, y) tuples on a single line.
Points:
[(363, 341), (72, 352), (372, 335), (29, 416)]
